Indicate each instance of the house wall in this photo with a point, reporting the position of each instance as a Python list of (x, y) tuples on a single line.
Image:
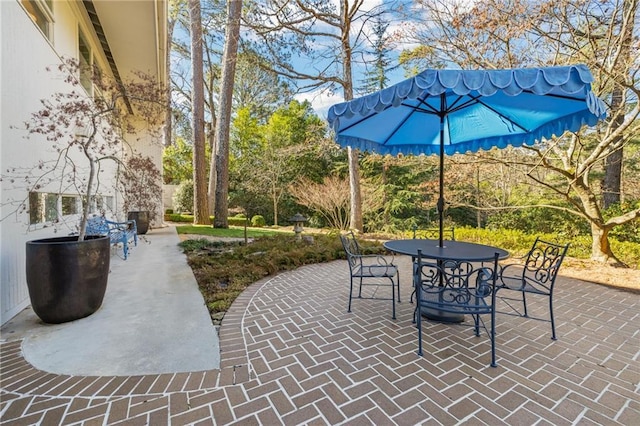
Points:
[(24, 56), (24, 80)]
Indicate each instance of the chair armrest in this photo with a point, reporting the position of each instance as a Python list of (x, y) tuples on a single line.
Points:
[(122, 226), (379, 259), (509, 267)]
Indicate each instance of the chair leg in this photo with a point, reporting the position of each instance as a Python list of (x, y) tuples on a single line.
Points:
[(393, 298), (476, 324), (398, 282), (524, 303), (360, 289), (493, 337), (419, 327), (350, 293), (553, 324)]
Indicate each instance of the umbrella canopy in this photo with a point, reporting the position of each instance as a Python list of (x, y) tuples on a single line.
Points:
[(457, 111)]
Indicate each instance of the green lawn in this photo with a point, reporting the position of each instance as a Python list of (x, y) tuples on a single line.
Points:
[(232, 231)]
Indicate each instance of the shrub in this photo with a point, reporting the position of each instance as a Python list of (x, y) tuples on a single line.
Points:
[(258, 221), (168, 211), (238, 221), (183, 197), (187, 218)]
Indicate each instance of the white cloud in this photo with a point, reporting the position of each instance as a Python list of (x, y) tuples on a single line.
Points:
[(321, 100)]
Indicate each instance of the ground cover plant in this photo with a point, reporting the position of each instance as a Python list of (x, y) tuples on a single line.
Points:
[(231, 232), (224, 269)]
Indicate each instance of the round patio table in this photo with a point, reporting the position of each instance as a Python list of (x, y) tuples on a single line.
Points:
[(450, 250), (454, 250)]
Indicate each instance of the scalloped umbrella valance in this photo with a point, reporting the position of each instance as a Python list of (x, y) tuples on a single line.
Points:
[(457, 111)]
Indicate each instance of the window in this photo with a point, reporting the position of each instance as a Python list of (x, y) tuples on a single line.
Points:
[(49, 207), (40, 12), (86, 63), (100, 204), (70, 205), (43, 207)]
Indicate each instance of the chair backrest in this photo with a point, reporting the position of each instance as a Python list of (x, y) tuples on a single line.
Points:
[(97, 225), (543, 262), (456, 283), (434, 233), (351, 248)]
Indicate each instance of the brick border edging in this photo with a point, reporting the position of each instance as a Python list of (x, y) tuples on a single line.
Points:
[(18, 376)]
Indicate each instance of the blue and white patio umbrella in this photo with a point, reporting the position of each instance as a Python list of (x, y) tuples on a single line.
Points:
[(458, 111)]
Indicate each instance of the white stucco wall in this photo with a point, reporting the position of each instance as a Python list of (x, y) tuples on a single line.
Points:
[(24, 56)]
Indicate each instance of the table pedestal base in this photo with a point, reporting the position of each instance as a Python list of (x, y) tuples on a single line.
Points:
[(440, 316)]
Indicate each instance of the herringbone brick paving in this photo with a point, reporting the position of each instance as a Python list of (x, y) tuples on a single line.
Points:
[(291, 354)]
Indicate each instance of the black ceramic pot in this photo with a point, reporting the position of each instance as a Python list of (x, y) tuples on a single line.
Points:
[(67, 278), (142, 220)]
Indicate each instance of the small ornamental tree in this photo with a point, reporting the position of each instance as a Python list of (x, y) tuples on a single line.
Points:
[(141, 183), (84, 131)]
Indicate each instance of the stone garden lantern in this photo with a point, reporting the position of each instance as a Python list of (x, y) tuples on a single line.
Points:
[(298, 220)]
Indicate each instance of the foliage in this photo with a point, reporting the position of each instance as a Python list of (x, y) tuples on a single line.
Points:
[(268, 157), (183, 197), (177, 217), (539, 219), (258, 221), (517, 242), (629, 231), (177, 164)]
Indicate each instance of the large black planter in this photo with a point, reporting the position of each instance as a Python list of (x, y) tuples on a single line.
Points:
[(67, 278), (142, 220)]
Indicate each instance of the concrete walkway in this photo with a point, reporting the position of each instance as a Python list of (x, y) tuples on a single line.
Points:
[(291, 354), (152, 320)]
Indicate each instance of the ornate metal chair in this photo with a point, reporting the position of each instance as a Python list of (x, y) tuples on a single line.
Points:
[(370, 269), (434, 233), (537, 276), (456, 287)]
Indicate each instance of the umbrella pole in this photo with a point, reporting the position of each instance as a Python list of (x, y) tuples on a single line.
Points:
[(441, 198)]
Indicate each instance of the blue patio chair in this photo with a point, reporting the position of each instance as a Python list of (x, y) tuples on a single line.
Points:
[(537, 276), (370, 269), (457, 287)]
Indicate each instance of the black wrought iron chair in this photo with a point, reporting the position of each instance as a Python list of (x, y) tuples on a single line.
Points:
[(457, 287), (434, 233), (537, 276), (370, 269)]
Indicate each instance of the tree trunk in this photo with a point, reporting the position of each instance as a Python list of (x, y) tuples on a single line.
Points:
[(211, 191), (224, 122), (275, 207), (356, 198), (200, 205), (600, 247), (613, 163), (168, 129), (347, 76)]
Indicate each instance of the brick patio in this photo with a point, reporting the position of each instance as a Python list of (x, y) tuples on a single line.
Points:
[(291, 354)]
